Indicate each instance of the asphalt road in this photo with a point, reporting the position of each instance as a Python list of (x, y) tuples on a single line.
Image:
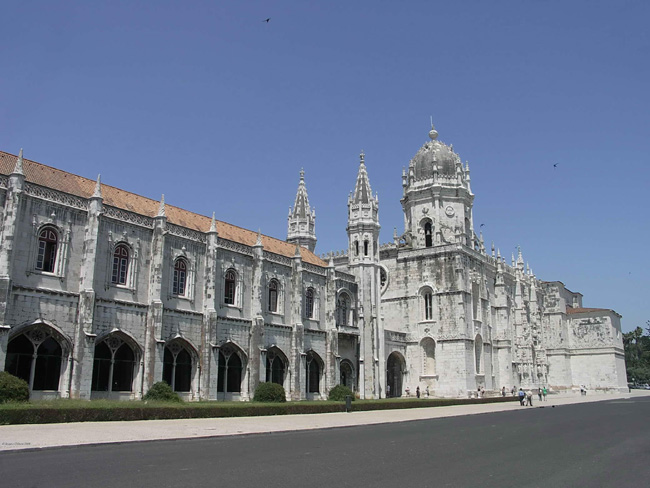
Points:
[(599, 444)]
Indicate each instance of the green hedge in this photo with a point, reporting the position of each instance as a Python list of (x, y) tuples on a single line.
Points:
[(339, 392), (12, 388), (59, 411), (270, 392)]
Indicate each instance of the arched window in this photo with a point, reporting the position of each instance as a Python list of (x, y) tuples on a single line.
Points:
[(275, 366), (427, 297), (356, 248), (343, 308), (312, 371), (428, 235), (273, 296), (230, 370), (180, 277), (36, 358), (230, 285), (478, 353), (47, 247), (120, 264), (113, 366), (428, 350), (309, 303), (177, 367), (347, 374), (366, 245)]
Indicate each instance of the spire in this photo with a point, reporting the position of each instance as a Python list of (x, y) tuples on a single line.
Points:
[(301, 207), (520, 258), (18, 169), (161, 209), (213, 224), (362, 191), (98, 188), (301, 227)]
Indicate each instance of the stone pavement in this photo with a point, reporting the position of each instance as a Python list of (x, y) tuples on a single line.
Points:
[(17, 437)]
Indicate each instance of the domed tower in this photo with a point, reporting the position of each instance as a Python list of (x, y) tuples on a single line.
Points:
[(301, 227), (437, 198)]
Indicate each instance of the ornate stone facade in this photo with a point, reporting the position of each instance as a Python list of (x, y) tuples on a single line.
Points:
[(103, 293)]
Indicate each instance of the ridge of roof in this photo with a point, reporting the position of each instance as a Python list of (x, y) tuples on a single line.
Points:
[(80, 186)]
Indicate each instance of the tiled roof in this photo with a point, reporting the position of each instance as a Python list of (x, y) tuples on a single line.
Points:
[(72, 184), (572, 310)]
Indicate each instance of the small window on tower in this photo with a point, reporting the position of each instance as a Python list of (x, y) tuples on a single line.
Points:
[(428, 235), (365, 247)]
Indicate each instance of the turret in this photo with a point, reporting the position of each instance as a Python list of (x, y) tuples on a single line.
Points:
[(363, 219), (301, 227)]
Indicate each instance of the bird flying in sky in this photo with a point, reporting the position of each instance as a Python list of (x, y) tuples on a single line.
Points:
[(267, 20)]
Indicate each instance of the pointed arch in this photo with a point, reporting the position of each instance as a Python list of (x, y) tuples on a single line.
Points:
[(344, 308), (232, 364), (277, 365), (179, 362), (314, 367), (38, 353), (428, 352), (49, 238), (115, 362), (395, 368), (347, 374)]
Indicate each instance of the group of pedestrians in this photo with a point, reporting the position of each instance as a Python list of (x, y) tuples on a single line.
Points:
[(526, 397)]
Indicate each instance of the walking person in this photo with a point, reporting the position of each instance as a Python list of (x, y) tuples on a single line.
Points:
[(539, 393), (387, 391), (529, 398), (544, 392), (427, 391), (417, 392), (522, 397), (503, 391), (513, 391)]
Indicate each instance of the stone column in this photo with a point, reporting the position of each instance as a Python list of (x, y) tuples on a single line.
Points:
[(10, 216), (208, 362), (84, 347), (298, 330), (332, 338), (256, 342), (154, 343)]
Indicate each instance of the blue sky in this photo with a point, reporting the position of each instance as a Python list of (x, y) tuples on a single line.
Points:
[(218, 110)]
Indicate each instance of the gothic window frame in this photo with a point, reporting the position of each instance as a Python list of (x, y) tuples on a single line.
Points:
[(345, 317), (175, 347), (188, 292), (314, 369), (48, 247), (37, 335), (272, 354), (427, 292), (114, 342), (227, 351), (120, 268), (310, 300), (427, 231), (273, 296), (133, 248), (60, 253), (231, 292)]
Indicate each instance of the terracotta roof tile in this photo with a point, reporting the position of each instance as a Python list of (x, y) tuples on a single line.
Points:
[(72, 184)]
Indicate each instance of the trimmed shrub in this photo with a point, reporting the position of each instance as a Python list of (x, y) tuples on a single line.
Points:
[(269, 392), (339, 392), (162, 392), (13, 389)]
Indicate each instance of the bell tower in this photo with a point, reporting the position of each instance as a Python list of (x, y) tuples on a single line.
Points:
[(437, 197), (363, 261)]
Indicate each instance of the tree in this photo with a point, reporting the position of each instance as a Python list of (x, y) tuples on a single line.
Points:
[(637, 354)]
